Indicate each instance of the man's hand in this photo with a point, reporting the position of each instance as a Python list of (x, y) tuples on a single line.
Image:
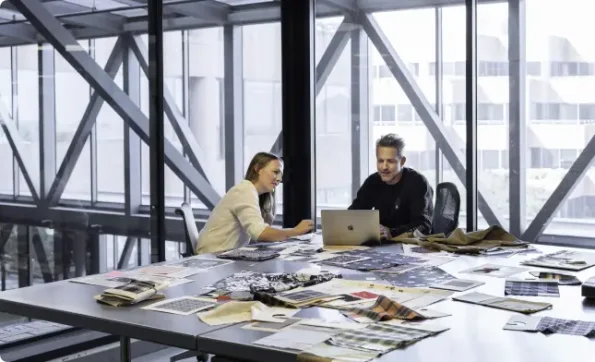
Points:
[(385, 232)]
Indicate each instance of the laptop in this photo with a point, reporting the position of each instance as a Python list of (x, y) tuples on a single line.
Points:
[(350, 227)]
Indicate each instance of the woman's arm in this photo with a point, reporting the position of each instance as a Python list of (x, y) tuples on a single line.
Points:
[(275, 234)]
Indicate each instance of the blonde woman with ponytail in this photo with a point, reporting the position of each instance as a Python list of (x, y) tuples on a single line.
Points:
[(246, 212)]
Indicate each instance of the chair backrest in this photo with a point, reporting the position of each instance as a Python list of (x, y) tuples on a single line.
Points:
[(185, 211), (446, 210)]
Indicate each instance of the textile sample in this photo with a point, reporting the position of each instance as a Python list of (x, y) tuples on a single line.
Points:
[(531, 288), (249, 255)]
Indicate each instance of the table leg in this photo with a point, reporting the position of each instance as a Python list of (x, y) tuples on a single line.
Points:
[(125, 349)]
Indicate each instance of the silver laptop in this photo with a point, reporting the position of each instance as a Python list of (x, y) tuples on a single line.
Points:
[(350, 227)]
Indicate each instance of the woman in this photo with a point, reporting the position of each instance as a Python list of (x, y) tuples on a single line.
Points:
[(247, 210)]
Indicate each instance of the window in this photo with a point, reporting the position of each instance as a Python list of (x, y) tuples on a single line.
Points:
[(571, 69), (555, 111), (384, 113), (567, 157), (490, 112), (404, 113), (586, 112), (491, 159), (492, 69), (383, 71), (533, 68)]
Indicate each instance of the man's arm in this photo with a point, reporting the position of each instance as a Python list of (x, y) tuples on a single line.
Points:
[(363, 199), (421, 210)]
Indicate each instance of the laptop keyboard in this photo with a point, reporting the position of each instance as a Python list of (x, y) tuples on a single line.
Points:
[(19, 332)]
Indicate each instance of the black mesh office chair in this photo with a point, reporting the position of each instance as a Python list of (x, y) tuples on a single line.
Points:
[(191, 231), (446, 210)]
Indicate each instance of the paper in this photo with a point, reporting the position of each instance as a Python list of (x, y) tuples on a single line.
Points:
[(334, 324), (493, 270), (109, 280), (272, 314), (457, 285), (519, 322), (271, 326), (182, 305), (297, 337), (337, 354)]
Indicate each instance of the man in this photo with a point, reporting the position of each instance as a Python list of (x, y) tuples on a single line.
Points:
[(402, 195)]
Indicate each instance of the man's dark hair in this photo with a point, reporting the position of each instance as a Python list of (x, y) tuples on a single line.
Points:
[(391, 140)]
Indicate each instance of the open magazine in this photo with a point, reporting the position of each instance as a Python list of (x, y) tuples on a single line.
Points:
[(135, 291)]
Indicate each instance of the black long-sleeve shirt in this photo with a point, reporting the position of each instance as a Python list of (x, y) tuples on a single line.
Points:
[(404, 206)]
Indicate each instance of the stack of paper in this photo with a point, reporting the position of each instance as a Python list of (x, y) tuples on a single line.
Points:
[(133, 292)]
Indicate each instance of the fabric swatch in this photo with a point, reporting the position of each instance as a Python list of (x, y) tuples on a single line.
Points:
[(531, 288), (417, 277), (249, 255), (515, 305), (564, 259), (369, 259), (248, 281), (549, 325), (562, 279), (423, 250), (386, 309)]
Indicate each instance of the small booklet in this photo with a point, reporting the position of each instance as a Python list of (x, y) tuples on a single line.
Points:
[(133, 292), (511, 304)]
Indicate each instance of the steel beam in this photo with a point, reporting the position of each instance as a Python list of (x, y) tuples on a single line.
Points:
[(42, 257), (210, 11), (84, 128), (16, 144), (439, 52), (343, 5), (517, 125), (360, 114), (325, 66), (132, 142), (471, 112), (156, 130), (179, 123), (69, 48), (185, 91), (422, 106), (234, 104), (47, 119), (561, 193), (124, 259), (20, 31), (299, 117), (101, 20), (25, 276), (14, 72)]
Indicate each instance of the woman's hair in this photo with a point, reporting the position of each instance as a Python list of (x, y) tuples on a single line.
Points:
[(266, 200)]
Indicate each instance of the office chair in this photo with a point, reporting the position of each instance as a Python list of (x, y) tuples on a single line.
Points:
[(191, 231), (446, 210)]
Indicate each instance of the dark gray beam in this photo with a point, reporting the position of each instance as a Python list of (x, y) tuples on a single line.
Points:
[(42, 257), (185, 90), (101, 20), (360, 120), (126, 253), (47, 119), (343, 5), (16, 144), (25, 276), (68, 46), (210, 11), (14, 71), (20, 31), (422, 106), (333, 52), (93, 143), (471, 113), (84, 129), (561, 193), (439, 86), (234, 104), (132, 142), (325, 66), (517, 125), (180, 125)]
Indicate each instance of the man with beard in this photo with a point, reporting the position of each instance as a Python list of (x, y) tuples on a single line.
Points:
[(402, 196)]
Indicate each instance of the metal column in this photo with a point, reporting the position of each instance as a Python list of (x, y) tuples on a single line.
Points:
[(360, 115), (47, 119), (299, 118), (234, 104), (516, 120), (132, 142), (439, 87), (471, 113), (156, 131)]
